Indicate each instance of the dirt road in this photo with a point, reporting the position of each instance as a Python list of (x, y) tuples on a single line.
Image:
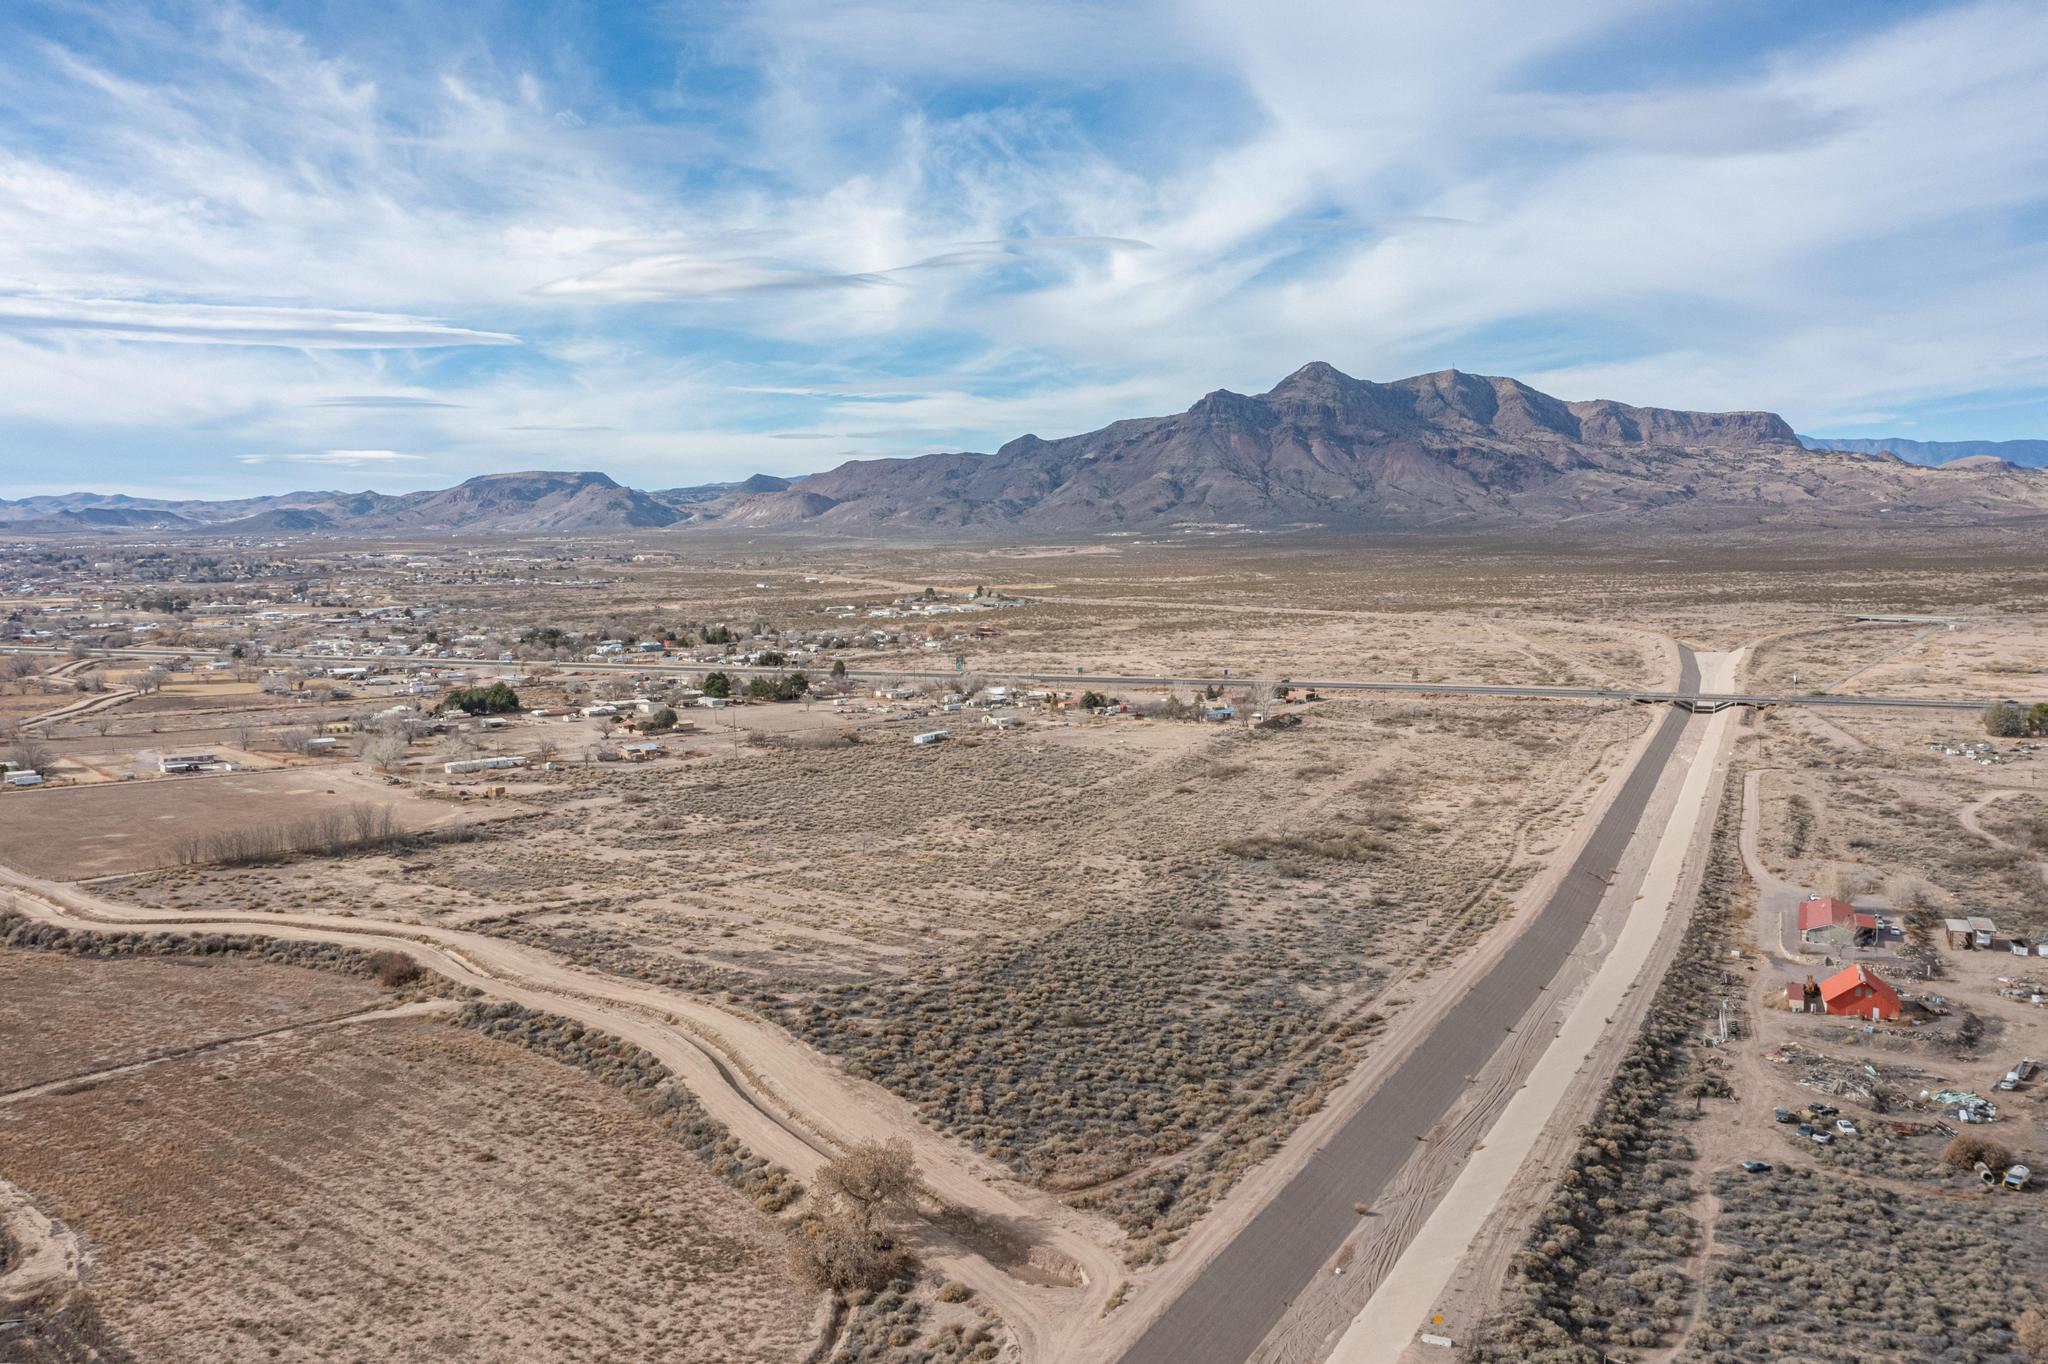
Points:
[(1228, 1309), (786, 1102)]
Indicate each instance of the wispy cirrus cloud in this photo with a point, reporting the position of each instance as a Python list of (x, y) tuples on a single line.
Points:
[(680, 276), (395, 401), (235, 325)]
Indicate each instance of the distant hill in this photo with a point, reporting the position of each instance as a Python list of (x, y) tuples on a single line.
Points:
[(1319, 450), (2027, 454), (518, 502)]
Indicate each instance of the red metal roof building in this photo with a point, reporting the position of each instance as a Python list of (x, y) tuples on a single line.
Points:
[(1819, 915), (1857, 991)]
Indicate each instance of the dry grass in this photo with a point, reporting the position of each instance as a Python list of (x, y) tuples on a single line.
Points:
[(1812, 1267), (397, 1191), (62, 1021)]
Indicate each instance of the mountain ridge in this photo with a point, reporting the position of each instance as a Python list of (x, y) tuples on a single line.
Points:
[(1434, 450), (1320, 449)]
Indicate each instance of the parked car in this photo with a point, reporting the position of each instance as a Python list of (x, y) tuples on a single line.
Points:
[(2017, 1176), (1756, 1167), (1807, 1129), (1826, 1110), (1784, 1115), (1824, 1138), (1845, 1127)]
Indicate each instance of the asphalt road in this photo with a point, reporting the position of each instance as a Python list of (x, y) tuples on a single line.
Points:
[(1230, 1306), (1685, 692)]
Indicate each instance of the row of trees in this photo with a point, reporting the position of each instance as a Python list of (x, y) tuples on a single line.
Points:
[(2010, 720), (787, 687), (496, 699), (360, 825)]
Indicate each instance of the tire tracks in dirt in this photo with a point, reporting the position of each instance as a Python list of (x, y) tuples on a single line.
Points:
[(785, 1102)]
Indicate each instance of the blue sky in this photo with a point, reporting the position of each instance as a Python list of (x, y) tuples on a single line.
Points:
[(393, 243)]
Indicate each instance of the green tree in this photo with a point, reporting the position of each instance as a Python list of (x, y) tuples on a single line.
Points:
[(788, 687), (661, 718), (839, 667), (496, 699), (2005, 720), (717, 684)]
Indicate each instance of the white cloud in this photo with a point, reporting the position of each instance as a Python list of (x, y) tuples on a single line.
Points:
[(988, 218), (341, 459)]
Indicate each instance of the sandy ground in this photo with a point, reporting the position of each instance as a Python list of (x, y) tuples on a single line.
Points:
[(45, 1260)]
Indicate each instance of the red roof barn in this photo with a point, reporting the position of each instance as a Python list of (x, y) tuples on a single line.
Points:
[(1856, 990)]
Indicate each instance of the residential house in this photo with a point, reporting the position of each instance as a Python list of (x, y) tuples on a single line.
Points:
[(1859, 991)]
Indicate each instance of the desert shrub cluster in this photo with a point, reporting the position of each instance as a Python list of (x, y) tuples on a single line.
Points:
[(1603, 1267), (1818, 1268), (894, 1326), (1079, 1056), (638, 1073), (19, 931)]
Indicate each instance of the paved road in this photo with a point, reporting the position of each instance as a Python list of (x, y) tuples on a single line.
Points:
[(1687, 691), (1223, 1315)]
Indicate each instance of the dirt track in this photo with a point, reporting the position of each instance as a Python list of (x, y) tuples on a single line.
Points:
[(47, 1253), (784, 1101)]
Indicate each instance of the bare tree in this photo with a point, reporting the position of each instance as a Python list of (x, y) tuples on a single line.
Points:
[(843, 1247), (30, 754), (150, 680), (18, 669), (871, 1181), (385, 749), (102, 723)]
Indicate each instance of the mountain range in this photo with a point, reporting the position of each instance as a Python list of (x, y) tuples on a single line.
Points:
[(1319, 450), (2027, 454), (517, 502)]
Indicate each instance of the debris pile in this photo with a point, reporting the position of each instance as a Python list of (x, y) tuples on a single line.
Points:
[(1972, 1108)]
